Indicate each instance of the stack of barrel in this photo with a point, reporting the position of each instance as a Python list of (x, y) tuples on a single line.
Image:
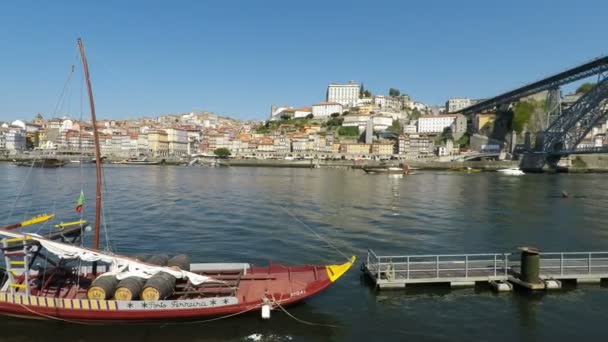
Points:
[(158, 287)]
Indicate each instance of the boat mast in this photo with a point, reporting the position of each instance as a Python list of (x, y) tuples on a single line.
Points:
[(85, 67)]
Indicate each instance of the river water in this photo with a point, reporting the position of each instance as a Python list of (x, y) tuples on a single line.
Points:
[(247, 215)]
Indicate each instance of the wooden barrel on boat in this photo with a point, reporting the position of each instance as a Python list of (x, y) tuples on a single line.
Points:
[(158, 287), (129, 288), (179, 262), (102, 288), (158, 259)]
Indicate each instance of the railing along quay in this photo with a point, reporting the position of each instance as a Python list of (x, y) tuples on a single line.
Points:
[(533, 269)]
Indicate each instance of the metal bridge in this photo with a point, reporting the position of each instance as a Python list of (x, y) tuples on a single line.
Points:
[(569, 127), (594, 67)]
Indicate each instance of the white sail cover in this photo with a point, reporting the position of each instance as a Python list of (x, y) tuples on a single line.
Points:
[(121, 267)]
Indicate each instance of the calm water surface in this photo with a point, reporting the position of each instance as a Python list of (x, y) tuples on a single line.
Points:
[(239, 215)]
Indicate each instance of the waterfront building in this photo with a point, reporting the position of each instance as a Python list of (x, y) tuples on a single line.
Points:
[(14, 139), (78, 142), (158, 142), (143, 145), (345, 94), (403, 144), (455, 104), (177, 140), (437, 123), (420, 144), (355, 148), (383, 148), (265, 145), (326, 109), (3, 132)]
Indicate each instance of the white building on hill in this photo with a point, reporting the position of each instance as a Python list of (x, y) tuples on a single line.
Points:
[(326, 109), (344, 94), (437, 123)]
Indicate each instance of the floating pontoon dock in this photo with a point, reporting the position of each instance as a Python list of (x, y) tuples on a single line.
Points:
[(540, 270)]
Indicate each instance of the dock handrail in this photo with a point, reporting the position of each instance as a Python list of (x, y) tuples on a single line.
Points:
[(573, 263), (438, 265)]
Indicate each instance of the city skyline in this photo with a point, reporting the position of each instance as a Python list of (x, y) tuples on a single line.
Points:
[(239, 60)]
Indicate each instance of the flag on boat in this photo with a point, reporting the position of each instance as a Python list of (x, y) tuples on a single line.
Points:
[(80, 202)]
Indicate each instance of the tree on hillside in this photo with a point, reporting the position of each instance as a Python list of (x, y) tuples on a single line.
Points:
[(415, 114), (309, 116), (367, 93), (351, 131), (521, 115), (335, 115), (585, 87), (396, 127), (221, 152), (393, 92), (284, 116)]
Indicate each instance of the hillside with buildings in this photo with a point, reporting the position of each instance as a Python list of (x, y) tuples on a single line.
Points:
[(349, 123)]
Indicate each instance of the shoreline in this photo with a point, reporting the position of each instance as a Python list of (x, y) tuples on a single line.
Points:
[(467, 166)]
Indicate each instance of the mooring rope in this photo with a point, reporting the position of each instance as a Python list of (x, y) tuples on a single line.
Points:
[(319, 236), (299, 319)]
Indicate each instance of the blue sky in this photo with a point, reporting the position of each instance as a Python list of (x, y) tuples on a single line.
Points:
[(237, 58)]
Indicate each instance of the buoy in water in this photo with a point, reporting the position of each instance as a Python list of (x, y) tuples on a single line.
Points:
[(158, 287), (129, 288), (102, 288), (266, 311)]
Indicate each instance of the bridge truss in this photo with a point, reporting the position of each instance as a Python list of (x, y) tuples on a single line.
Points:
[(570, 128)]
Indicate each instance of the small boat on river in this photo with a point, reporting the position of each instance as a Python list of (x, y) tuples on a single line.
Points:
[(139, 161), (388, 169), (514, 171), (41, 162)]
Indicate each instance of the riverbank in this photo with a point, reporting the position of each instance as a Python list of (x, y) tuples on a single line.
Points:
[(589, 163)]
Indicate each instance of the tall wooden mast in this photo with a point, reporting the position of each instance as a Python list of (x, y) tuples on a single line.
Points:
[(85, 67)]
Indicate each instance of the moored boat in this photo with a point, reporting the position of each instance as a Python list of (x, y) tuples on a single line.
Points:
[(513, 171), (67, 290), (78, 284), (41, 162), (139, 161)]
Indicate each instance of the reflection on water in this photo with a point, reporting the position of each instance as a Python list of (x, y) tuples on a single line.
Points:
[(235, 214)]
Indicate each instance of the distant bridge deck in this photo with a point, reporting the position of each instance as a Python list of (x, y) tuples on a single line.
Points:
[(593, 67), (468, 269)]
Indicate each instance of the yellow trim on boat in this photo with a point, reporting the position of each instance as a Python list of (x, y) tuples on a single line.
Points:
[(18, 239), (69, 224), (112, 305), (17, 262), (19, 286), (37, 219), (336, 271)]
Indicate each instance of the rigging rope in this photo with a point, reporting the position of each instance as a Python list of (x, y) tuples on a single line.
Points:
[(29, 171)]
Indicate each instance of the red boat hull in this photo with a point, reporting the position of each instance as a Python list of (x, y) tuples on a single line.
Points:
[(275, 285)]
